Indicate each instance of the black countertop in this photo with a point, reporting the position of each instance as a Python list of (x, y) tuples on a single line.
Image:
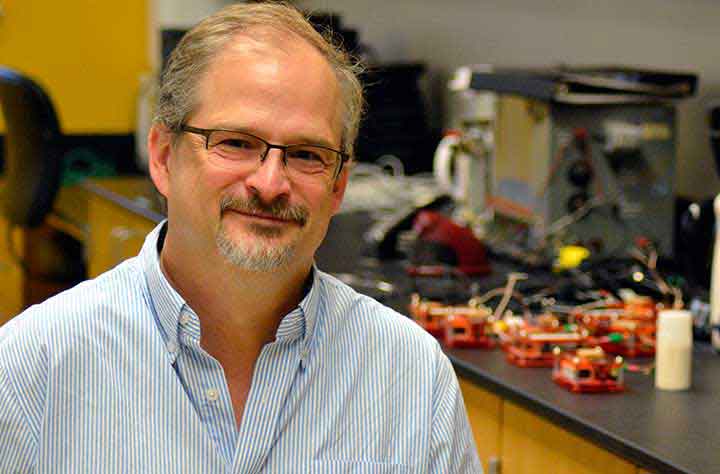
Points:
[(662, 431)]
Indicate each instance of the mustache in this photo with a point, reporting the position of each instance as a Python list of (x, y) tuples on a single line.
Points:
[(278, 209)]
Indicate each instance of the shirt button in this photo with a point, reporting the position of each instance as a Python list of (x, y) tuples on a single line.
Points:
[(212, 394), (185, 319), (172, 347)]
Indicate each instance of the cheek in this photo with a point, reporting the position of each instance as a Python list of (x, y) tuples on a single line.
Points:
[(198, 189), (322, 213)]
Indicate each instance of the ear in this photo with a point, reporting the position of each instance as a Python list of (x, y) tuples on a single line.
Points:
[(159, 149), (338, 189)]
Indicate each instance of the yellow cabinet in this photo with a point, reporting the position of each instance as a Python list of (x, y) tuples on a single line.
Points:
[(87, 54), (115, 234), (531, 445), (512, 440), (11, 275), (485, 413)]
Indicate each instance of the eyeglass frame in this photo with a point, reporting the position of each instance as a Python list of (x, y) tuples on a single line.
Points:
[(206, 132)]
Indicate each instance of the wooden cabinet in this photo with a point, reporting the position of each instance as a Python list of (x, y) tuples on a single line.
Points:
[(512, 440), (485, 413), (115, 234), (531, 444), (11, 275)]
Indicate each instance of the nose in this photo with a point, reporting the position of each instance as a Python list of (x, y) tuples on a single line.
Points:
[(269, 181)]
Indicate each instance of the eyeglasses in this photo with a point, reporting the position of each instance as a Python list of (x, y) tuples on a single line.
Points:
[(230, 148)]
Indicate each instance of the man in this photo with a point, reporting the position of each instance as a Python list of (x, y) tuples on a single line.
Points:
[(220, 348)]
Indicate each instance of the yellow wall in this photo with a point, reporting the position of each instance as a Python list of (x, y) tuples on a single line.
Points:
[(87, 54)]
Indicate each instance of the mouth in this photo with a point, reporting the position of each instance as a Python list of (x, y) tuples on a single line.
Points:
[(263, 217), (274, 214)]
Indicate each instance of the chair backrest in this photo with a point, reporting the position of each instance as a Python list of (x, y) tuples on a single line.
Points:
[(32, 150)]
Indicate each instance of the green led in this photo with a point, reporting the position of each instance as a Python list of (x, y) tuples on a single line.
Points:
[(570, 327), (615, 337)]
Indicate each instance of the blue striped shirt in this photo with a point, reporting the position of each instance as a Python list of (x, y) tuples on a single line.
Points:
[(110, 377)]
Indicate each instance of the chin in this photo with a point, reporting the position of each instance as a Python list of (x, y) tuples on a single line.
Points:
[(269, 259), (256, 253)]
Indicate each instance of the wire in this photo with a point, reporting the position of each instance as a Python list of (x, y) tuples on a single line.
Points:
[(650, 262), (507, 293), (645, 369), (555, 166), (382, 188), (573, 217)]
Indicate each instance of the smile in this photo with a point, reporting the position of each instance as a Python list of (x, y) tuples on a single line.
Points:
[(269, 214), (265, 218)]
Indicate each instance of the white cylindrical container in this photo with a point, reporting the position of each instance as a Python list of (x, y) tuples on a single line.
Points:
[(673, 350), (715, 280)]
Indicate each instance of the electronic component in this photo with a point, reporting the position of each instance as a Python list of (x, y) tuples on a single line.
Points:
[(588, 370), (588, 153)]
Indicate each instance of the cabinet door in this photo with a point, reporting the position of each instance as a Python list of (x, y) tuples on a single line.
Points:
[(115, 235), (485, 413), (11, 275), (533, 445), (87, 54)]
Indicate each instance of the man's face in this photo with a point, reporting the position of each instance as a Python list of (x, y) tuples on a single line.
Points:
[(259, 218)]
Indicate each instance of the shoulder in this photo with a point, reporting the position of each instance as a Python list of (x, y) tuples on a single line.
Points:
[(70, 315)]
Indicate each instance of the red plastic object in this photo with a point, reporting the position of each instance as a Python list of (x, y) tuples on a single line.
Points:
[(467, 328), (461, 326), (435, 227), (588, 371), (628, 330), (535, 349), (424, 313)]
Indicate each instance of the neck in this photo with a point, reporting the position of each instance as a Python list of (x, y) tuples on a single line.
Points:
[(239, 310)]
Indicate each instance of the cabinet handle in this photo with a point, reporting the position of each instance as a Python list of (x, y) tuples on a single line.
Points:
[(493, 465)]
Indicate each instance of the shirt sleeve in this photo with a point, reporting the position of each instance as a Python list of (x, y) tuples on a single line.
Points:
[(452, 447), (16, 442)]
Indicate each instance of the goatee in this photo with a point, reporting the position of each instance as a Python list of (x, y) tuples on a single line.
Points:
[(258, 254)]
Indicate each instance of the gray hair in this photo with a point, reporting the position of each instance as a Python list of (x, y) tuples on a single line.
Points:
[(193, 55)]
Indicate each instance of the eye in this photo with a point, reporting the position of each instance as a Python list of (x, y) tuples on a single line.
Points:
[(238, 143), (307, 154)]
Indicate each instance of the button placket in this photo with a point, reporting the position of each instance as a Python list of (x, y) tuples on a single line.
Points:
[(185, 319), (172, 347)]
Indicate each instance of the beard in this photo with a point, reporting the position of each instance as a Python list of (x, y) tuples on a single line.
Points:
[(260, 254)]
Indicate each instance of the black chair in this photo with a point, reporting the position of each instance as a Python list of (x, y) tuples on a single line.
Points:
[(33, 150)]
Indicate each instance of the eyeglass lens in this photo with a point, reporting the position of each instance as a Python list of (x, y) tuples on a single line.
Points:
[(233, 147)]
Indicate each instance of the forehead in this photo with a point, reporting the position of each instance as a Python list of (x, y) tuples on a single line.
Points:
[(270, 83)]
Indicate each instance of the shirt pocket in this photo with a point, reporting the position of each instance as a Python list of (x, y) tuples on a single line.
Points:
[(358, 467)]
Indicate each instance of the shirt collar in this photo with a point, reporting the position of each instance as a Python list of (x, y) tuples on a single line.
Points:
[(307, 312), (169, 305)]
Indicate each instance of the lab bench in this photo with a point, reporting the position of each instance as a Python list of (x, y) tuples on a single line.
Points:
[(534, 422), (522, 421)]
